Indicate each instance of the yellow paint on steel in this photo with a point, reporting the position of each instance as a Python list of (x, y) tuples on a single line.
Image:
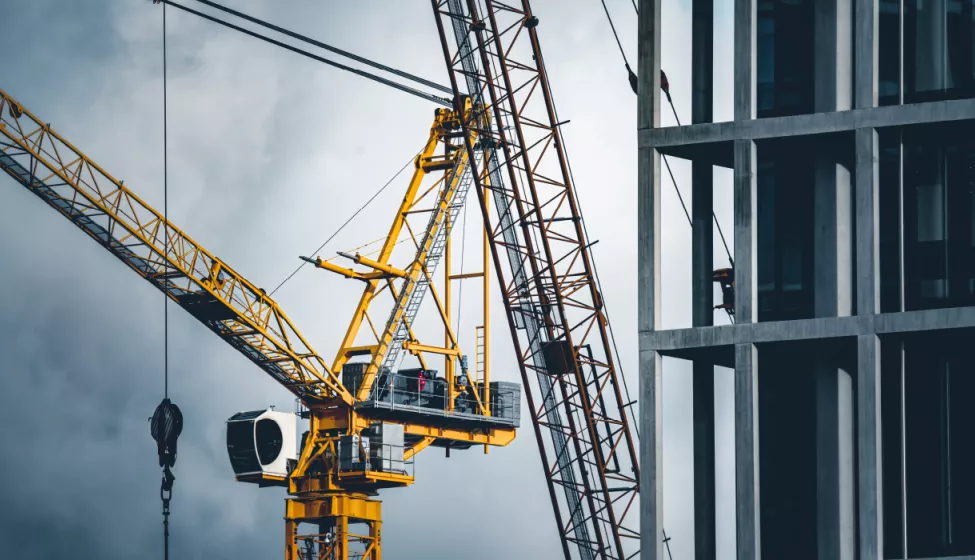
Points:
[(250, 320), (136, 233), (417, 348)]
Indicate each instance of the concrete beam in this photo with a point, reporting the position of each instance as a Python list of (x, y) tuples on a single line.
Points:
[(810, 329), (747, 482), (870, 474), (746, 232), (804, 125)]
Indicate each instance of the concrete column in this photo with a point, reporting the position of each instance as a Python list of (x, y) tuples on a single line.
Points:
[(651, 456), (833, 235), (833, 276), (702, 243), (746, 453), (867, 51), (833, 48), (835, 522), (746, 23), (648, 172), (870, 475), (746, 232), (867, 222), (702, 181), (704, 481), (648, 284)]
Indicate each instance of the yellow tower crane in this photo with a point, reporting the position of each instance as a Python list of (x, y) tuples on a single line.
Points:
[(368, 416)]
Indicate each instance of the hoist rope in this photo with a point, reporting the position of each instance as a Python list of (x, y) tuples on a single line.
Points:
[(339, 230), (165, 212), (413, 91), (167, 421)]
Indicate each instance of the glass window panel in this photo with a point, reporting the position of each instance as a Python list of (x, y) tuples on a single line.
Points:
[(939, 49)]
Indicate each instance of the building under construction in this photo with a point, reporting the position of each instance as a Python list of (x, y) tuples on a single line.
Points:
[(854, 277)]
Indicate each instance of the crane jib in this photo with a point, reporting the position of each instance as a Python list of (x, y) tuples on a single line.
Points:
[(101, 206)]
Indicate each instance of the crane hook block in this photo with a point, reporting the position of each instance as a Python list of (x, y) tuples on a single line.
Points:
[(165, 426)]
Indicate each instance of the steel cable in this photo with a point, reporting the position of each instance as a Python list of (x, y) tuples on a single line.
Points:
[(339, 230), (412, 91)]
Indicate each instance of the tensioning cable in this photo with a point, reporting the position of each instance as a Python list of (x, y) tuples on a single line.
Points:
[(404, 88), (352, 217), (665, 86)]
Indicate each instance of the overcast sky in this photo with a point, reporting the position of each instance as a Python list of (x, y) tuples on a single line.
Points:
[(269, 153)]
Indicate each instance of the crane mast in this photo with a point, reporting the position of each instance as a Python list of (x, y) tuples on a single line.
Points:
[(554, 307)]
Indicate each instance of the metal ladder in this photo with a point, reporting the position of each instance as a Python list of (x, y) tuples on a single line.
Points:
[(449, 204)]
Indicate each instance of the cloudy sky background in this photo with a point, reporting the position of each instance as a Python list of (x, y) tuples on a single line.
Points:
[(269, 152)]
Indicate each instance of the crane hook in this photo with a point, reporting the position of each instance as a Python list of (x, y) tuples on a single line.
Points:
[(165, 427)]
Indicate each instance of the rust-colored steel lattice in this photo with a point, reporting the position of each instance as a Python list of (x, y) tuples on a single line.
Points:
[(541, 252)]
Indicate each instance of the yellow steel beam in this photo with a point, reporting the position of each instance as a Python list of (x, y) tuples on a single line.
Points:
[(417, 348), (380, 266), (369, 293)]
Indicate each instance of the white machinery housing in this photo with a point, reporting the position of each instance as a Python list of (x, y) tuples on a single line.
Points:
[(262, 445)]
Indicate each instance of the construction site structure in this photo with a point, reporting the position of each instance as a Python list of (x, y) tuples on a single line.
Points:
[(852, 171)]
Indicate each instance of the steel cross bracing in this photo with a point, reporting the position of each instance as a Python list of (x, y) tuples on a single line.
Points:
[(450, 201), (550, 413), (553, 282), (233, 308)]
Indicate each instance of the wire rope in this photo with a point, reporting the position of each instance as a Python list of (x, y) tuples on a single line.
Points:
[(407, 89), (329, 48), (339, 230)]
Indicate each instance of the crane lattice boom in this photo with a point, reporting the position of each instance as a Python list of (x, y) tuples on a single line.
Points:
[(549, 280), (232, 307)]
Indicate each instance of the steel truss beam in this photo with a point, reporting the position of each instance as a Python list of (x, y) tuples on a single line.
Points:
[(552, 300), (223, 300)]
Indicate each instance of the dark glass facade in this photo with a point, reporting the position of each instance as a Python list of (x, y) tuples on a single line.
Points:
[(890, 220), (785, 57), (940, 459), (938, 50), (888, 72), (787, 455), (785, 232), (939, 205)]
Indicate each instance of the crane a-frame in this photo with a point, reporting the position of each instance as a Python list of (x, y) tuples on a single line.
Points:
[(504, 128)]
